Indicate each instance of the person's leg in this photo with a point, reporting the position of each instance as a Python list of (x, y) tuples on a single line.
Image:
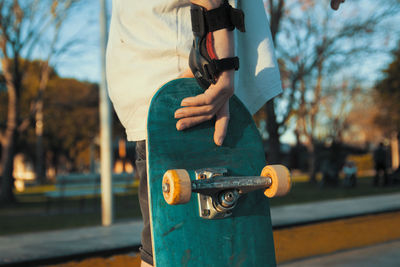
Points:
[(146, 248), (376, 177), (353, 180), (385, 177)]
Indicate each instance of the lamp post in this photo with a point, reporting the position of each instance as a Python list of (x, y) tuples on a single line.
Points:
[(107, 203)]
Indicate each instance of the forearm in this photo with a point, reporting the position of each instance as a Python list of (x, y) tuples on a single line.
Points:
[(208, 4), (224, 43)]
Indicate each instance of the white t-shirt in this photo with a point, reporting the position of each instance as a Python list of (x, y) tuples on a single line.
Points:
[(149, 44)]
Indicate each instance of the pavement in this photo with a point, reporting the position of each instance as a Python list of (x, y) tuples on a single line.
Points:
[(285, 216), (62, 244), (383, 255)]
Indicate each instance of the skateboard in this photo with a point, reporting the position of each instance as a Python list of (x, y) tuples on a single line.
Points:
[(208, 204)]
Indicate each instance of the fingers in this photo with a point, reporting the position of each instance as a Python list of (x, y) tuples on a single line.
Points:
[(221, 124), (203, 107), (192, 121), (209, 96), (336, 3), (198, 100), (193, 111), (202, 99)]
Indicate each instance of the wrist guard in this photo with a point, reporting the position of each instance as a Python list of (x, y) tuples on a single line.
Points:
[(203, 62)]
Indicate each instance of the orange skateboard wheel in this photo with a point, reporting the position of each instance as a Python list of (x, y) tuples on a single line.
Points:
[(280, 178), (176, 186)]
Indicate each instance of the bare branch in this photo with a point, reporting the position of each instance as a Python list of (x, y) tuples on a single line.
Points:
[(23, 126)]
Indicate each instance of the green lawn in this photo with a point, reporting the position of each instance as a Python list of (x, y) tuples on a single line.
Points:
[(29, 214)]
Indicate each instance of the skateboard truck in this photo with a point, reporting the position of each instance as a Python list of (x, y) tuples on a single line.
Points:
[(218, 193), (213, 204)]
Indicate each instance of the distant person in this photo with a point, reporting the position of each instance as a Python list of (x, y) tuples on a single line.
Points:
[(380, 165), (350, 174)]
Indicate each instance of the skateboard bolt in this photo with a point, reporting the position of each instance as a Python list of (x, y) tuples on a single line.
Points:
[(165, 188), (206, 212), (229, 197)]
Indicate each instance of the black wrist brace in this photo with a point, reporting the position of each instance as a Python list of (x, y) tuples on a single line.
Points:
[(206, 67)]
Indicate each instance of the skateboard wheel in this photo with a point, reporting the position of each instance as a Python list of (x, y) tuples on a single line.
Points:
[(177, 188), (280, 178)]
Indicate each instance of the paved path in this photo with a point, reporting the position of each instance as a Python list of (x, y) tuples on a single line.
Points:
[(381, 255), (54, 244), (64, 243), (332, 209)]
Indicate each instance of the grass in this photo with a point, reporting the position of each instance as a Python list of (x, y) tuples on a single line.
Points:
[(29, 213)]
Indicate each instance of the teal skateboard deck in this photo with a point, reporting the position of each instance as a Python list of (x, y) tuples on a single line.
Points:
[(180, 236)]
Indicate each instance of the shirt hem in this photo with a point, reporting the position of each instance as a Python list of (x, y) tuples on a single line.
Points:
[(136, 135)]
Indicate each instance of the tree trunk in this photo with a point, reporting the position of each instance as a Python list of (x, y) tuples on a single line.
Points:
[(7, 162), (39, 168), (13, 79), (274, 151), (394, 144), (312, 163), (40, 163), (313, 116), (8, 142)]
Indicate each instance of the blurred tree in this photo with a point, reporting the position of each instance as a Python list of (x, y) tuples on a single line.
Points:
[(279, 10), (313, 47), (388, 95), (359, 125), (72, 120), (388, 117), (276, 9), (322, 51), (27, 28), (70, 116)]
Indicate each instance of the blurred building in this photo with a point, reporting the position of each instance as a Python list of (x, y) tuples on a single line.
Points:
[(24, 172)]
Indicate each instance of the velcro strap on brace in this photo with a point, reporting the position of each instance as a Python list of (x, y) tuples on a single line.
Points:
[(223, 17), (202, 61), (221, 65)]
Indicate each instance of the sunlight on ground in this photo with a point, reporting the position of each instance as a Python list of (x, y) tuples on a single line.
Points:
[(120, 260)]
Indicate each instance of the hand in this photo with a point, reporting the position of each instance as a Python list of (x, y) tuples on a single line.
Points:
[(336, 3), (213, 102), (207, 4)]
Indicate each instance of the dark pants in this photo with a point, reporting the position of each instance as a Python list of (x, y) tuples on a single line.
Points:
[(380, 168), (146, 248)]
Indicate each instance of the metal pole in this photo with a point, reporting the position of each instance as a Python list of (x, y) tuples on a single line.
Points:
[(107, 203)]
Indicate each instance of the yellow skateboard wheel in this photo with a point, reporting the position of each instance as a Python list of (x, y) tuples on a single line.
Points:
[(280, 178), (176, 187)]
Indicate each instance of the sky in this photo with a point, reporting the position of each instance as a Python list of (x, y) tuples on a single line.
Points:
[(83, 62)]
